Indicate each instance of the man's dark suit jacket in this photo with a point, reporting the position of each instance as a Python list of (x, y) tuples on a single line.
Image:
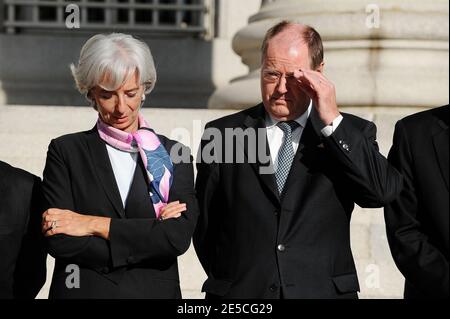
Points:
[(417, 221), (140, 259), (254, 243), (22, 250)]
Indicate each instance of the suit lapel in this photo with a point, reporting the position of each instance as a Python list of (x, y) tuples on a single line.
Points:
[(440, 142), (256, 121), (139, 203), (298, 178), (104, 171), (3, 178), (4, 190)]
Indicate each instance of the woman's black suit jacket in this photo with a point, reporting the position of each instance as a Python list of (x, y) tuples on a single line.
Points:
[(140, 258)]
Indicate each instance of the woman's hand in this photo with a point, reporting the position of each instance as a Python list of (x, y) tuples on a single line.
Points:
[(173, 210), (58, 221)]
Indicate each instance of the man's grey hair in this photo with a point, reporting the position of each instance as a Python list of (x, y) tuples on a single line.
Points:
[(113, 57)]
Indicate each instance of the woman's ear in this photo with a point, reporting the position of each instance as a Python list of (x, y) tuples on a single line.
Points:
[(91, 99), (90, 95)]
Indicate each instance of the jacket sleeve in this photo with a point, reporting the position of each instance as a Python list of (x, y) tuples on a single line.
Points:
[(137, 240), (31, 266), (208, 189), (9, 247), (92, 252), (416, 257), (365, 173)]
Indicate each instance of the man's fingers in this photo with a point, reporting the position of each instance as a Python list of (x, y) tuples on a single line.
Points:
[(297, 74), (321, 77), (308, 89), (315, 77), (303, 79), (309, 77), (312, 82), (324, 80)]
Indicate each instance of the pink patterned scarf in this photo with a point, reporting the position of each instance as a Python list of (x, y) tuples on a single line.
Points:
[(156, 159)]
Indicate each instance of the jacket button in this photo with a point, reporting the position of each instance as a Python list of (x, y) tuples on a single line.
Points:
[(130, 260), (346, 147), (281, 248), (273, 288), (277, 213)]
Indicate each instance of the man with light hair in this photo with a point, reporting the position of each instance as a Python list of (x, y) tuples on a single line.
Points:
[(287, 234)]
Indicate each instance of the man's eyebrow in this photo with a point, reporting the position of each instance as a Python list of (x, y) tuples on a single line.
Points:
[(270, 70), (135, 89), (287, 74)]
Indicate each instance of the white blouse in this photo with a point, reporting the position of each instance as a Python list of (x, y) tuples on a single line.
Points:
[(124, 166)]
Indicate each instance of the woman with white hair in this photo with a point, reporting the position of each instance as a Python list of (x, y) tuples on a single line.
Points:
[(122, 209)]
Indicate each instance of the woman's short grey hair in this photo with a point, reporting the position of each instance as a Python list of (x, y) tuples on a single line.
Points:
[(113, 57)]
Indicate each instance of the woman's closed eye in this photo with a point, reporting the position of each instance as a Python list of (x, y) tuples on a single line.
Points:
[(106, 95)]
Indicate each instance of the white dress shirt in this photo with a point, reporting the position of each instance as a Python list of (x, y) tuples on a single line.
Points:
[(275, 134), (124, 166)]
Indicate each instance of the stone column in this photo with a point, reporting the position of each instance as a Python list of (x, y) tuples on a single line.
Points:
[(378, 53)]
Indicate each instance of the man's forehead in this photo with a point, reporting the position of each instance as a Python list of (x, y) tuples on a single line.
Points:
[(286, 59), (287, 50), (276, 62)]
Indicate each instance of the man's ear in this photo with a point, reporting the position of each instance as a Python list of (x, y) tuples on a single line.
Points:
[(320, 67)]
